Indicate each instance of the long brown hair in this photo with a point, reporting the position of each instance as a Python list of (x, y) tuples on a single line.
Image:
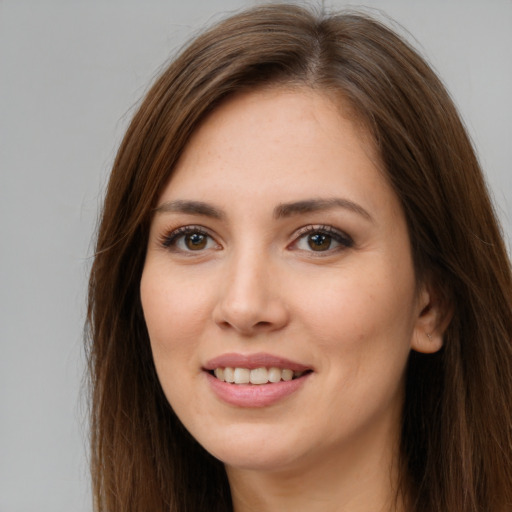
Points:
[(456, 443)]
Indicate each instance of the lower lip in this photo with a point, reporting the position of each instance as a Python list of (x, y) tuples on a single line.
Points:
[(255, 395)]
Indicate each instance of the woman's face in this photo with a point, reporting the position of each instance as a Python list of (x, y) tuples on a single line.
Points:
[(278, 248)]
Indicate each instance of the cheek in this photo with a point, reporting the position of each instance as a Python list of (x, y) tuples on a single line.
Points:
[(174, 315), (363, 320), (357, 304), (170, 305)]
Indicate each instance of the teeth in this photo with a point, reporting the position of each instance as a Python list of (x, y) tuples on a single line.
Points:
[(274, 375), (229, 375), (259, 376), (287, 375), (242, 376), (255, 376)]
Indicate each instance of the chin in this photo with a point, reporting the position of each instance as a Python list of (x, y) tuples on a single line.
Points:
[(259, 460), (245, 448)]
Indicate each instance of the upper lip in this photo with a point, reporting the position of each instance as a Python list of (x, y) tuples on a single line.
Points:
[(252, 361)]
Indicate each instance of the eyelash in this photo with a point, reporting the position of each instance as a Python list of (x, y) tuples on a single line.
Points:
[(171, 239), (339, 237)]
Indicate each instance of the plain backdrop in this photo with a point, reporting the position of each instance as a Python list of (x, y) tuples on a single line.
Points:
[(71, 73)]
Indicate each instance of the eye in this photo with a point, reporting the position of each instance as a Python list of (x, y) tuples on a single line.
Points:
[(321, 239), (189, 239)]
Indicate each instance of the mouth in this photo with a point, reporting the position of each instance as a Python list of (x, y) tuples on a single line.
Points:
[(255, 380), (257, 369), (256, 376)]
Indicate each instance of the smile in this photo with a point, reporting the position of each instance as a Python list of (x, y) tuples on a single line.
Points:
[(256, 376), (255, 380)]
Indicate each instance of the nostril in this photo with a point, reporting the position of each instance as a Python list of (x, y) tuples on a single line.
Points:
[(258, 326), (224, 325), (262, 324)]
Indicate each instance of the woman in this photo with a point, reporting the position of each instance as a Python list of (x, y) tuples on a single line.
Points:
[(300, 296)]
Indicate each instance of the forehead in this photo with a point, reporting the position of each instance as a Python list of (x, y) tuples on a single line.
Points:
[(285, 142)]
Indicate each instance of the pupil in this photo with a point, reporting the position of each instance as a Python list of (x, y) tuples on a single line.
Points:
[(196, 241), (319, 242)]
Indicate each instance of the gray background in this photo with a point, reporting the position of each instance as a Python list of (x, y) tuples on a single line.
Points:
[(70, 75)]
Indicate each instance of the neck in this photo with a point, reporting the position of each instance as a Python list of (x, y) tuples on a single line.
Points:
[(363, 477)]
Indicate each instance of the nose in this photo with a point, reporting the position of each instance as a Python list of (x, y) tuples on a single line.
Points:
[(250, 301)]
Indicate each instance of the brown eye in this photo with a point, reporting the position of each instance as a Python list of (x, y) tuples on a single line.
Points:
[(189, 239), (196, 241), (319, 241)]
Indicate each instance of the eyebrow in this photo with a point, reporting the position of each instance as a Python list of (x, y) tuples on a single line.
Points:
[(281, 211), (190, 207), (315, 205)]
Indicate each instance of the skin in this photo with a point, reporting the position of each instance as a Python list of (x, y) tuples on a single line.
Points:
[(351, 312)]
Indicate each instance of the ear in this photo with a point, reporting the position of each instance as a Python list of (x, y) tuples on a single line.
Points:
[(434, 316)]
